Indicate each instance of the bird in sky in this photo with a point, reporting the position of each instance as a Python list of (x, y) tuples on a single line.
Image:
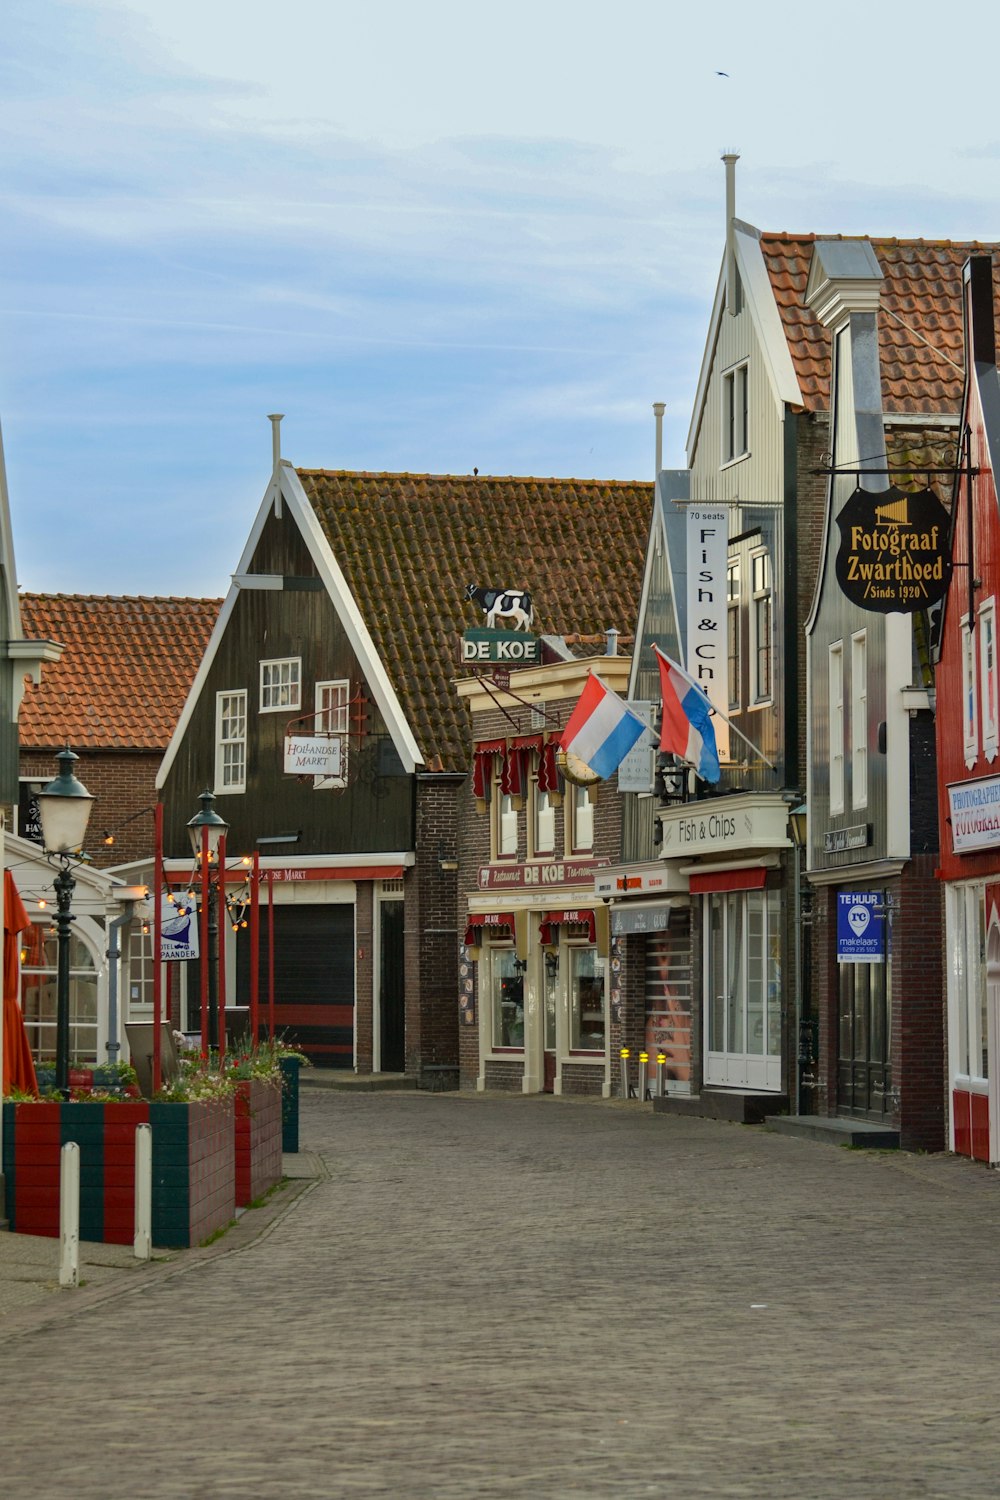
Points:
[(720, 74)]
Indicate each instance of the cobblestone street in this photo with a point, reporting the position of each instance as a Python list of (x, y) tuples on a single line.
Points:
[(501, 1297)]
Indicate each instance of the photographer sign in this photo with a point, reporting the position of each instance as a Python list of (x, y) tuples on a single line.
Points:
[(894, 555)]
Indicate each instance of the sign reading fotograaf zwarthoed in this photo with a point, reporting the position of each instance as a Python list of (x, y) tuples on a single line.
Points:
[(894, 553)]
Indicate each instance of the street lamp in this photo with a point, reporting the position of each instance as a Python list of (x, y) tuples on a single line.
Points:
[(64, 810), (207, 831)]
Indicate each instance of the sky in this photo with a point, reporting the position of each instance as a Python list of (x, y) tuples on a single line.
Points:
[(435, 237)]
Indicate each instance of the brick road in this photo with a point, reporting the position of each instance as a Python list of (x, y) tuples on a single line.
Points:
[(507, 1297)]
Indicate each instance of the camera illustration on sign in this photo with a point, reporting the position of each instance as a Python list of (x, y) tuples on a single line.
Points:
[(894, 555)]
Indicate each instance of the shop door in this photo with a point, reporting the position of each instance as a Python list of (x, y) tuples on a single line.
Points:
[(391, 988), (743, 990), (313, 979), (549, 1040), (864, 1063)]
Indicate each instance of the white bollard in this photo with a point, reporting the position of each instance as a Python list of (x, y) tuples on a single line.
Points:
[(143, 1241), (69, 1215)]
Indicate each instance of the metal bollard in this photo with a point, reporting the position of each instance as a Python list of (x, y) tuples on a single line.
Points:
[(69, 1215), (142, 1243), (661, 1074), (642, 1082), (624, 1054)]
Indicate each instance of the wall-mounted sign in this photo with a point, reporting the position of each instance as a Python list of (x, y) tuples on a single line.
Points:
[(975, 814), (557, 872), (837, 840), (313, 755), (860, 927), (894, 555), (625, 919), (637, 770), (707, 663), (507, 647)]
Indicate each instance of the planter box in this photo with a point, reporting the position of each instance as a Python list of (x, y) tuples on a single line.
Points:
[(193, 1168), (290, 1070), (258, 1139)]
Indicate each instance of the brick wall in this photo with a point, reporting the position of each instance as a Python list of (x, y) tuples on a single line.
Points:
[(124, 785), (432, 936), (918, 1007)]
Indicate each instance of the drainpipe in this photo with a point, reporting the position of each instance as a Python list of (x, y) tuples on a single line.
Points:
[(659, 407), (730, 158), (130, 897)]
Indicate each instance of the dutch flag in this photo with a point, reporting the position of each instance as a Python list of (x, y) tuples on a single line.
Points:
[(687, 720), (602, 729)]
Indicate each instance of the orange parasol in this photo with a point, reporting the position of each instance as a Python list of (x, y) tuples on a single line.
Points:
[(18, 1067)]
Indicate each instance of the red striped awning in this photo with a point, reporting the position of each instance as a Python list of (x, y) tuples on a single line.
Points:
[(478, 920), (728, 880), (564, 918)]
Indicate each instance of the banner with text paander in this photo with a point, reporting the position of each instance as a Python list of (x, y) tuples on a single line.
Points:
[(975, 814)]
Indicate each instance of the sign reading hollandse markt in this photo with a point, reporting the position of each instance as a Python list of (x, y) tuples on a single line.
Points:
[(894, 555)]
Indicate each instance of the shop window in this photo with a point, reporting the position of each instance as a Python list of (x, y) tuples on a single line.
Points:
[(332, 708), (507, 993), (586, 1000), (836, 676), (231, 742), (734, 414), (581, 820), (988, 678), (761, 626), (543, 822), (743, 983), (968, 970), (39, 989), (970, 708), (280, 684), (859, 719), (733, 633)]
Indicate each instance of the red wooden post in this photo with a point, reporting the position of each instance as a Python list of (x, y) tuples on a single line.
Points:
[(223, 929), (255, 948), (157, 940), (203, 924), (270, 953)]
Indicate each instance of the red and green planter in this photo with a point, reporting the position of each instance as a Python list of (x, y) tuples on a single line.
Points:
[(258, 1138), (194, 1167)]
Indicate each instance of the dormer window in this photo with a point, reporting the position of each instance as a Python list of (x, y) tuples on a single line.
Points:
[(735, 430)]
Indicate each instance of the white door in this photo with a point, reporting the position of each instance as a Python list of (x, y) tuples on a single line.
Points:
[(742, 997)]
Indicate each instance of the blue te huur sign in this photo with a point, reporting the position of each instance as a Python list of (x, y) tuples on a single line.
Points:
[(860, 927)]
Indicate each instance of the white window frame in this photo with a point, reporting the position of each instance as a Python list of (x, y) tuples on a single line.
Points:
[(733, 635), (284, 693), (223, 787), (503, 822), (333, 719), (580, 821), (988, 678), (970, 696), (543, 822), (736, 413), (836, 682), (859, 719), (760, 695)]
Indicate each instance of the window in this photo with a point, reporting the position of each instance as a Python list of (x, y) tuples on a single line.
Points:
[(586, 1000), (507, 985), (760, 627), (968, 968), (733, 632), (543, 821), (988, 677), (581, 837), (859, 719), (503, 820), (140, 970), (332, 711), (280, 684), (837, 727), (39, 988), (231, 742), (970, 714), (734, 414)]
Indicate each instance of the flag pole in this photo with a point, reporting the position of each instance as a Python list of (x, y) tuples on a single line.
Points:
[(712, 708)]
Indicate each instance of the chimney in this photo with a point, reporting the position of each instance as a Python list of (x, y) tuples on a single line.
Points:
[(275, 419), (659, 407), (731, 158), (611, 635)]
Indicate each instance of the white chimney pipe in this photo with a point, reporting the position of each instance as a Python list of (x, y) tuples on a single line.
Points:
[(611, 638), (730, 158), (659, 407), (275, 419)]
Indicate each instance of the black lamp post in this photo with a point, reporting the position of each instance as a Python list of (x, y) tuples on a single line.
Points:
[(206, 831), (64, 810)]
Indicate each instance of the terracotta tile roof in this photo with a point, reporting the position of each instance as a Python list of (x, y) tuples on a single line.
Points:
[(409, 544), (124, 675), (920, 321)]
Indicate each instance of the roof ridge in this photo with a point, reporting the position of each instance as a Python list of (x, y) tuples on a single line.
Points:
[(123, 598), (465, 478), (788, 236)]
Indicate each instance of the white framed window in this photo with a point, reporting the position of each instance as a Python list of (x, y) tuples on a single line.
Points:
[(988, 678), (231, 742), (968, 976), (140, 970), (581, 819), (859, 719), (970, 707), (280, 684), (587, 1029), (39, 994), (761, 627), (836, 677), (332, 717), (503, 822), (507, 997), (733, 632), (543, 821), (735, 440)]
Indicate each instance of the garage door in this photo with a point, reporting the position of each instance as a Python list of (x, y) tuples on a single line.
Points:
[(313, 979)]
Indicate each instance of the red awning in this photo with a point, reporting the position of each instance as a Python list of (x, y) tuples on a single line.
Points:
[(563, 918), (479, 920), (728, 880)]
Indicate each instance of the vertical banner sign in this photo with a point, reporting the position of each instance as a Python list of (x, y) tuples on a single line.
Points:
[(707, 664)]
